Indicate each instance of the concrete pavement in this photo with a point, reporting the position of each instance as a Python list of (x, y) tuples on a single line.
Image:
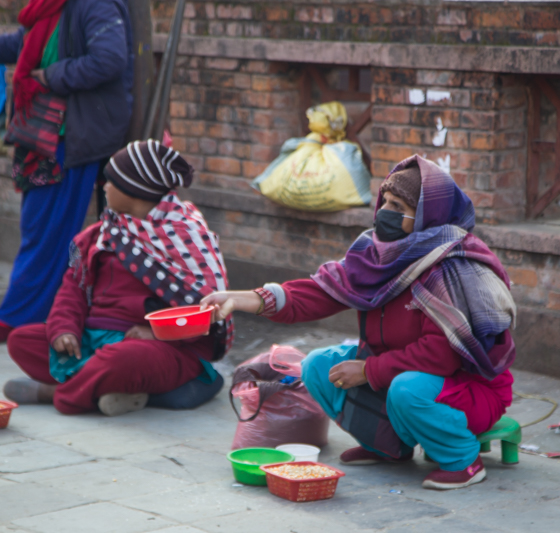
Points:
[(166, 471)]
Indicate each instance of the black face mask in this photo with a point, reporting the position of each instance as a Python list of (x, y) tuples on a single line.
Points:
[(388, 226)]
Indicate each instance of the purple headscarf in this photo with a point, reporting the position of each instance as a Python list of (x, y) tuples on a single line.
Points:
[(455, 279)]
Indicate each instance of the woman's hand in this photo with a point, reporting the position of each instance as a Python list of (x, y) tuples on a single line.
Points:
[(68, 342), (140, 332), (225, 302), (39, 75), (348, 374)]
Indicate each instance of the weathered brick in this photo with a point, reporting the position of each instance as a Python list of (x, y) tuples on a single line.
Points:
[(223, 165), (389, 76), (231, 11), (450, 118), (387, 134), (541, 19), (478, 120), (241, 81), (221, 131), (234, 29), (252, 169), (256, 99), (481, 199), (224, 114), (510, 18), (190, 11), (177, 109), (452, 17), (254, 66), (446, 78), (221, 63), (553, 301), (263, 153), (276, 13), (387, 152), (448, 97), (192, 128), (388, 95), (208, 146), (482, 141), (323, 15), (390, 114), (522, 276), (457, 139)]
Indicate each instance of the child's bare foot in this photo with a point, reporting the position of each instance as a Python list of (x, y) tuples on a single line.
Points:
[(28, 391)]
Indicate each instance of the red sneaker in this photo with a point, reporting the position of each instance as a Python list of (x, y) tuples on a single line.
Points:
[(360, 456), (444, 480)]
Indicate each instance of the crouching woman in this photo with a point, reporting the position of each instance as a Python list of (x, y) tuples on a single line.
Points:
[(435, 310), (149, 251)]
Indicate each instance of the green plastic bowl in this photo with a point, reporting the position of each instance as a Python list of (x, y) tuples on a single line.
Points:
[(246, 462)]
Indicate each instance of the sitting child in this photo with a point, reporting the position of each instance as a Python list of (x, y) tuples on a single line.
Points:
[(149, 251)]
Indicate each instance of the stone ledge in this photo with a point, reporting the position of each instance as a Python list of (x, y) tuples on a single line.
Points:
[(258, 204), (523, 237), (507, 59)]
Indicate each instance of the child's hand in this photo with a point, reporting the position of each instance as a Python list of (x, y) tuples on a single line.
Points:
[(68, 342), (140, 332)]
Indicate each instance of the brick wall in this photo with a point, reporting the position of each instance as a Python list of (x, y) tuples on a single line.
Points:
[(438, 22), (229, 117), (473, 124)]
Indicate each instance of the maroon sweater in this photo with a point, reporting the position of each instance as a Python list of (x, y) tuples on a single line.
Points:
[(117, 295), (405, 339)]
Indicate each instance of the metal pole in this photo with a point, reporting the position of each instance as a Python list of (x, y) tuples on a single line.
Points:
[(141, 21), (162, 91)]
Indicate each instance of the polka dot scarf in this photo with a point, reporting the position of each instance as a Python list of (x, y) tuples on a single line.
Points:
[(172, 251)]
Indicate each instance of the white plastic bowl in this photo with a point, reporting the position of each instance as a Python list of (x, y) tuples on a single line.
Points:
[(301, 452)]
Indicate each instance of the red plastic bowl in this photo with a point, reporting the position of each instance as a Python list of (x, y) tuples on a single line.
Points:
[(177, 323), (5, 412), (302, 490)]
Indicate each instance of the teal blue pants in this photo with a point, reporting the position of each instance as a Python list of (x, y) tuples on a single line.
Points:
[(411, 405)]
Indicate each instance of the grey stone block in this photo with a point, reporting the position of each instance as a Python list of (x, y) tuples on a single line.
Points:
[(23, 500), (35, 455), (95, 518)]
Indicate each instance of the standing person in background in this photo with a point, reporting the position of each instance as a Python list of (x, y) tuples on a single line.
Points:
[(81, 50)]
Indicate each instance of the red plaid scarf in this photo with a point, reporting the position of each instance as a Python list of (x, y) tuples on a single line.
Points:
[(172, 251)]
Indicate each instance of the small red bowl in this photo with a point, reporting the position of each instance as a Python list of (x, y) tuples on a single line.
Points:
[(5, 412), (178, 323)]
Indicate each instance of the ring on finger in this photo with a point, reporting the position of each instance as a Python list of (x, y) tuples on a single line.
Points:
[(340, 383)]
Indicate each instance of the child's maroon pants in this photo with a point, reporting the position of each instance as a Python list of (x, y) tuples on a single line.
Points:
[(130, 366)]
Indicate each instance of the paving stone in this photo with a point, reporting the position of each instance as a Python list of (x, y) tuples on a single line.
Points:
[(180, 529), (115, 441), (292, 520), (185, 462), (443, 525), (105, 517), (204, 501), (36, 455), (22, 500)]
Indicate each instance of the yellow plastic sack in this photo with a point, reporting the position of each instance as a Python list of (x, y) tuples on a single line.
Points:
[(319, 172)]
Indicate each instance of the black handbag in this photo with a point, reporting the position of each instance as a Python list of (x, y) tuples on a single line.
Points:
[(364, 414)]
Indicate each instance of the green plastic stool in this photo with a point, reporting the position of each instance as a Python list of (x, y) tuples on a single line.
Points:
[(506, 430)]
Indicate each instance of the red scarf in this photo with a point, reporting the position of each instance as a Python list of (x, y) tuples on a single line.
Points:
[(40, 18)]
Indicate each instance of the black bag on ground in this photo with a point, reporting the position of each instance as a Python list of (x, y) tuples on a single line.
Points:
[(364, 414)]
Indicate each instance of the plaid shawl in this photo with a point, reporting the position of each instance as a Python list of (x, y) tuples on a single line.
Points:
[(172, 251), (454, 277)]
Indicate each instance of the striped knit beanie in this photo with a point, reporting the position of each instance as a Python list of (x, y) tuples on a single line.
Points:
[(148, 170)]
